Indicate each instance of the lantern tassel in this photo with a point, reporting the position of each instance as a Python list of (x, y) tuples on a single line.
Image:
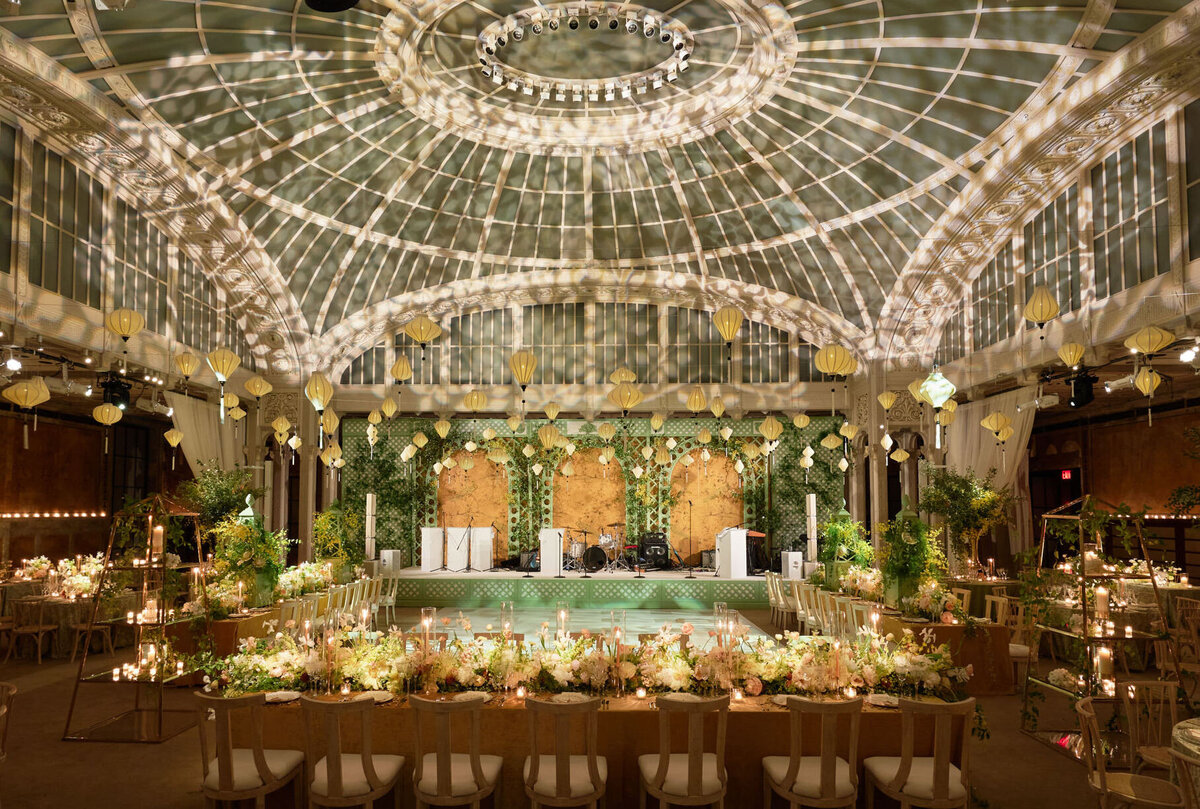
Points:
[(222, 402), (26, 435)]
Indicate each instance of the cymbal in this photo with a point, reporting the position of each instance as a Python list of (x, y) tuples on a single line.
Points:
[(616, 525)]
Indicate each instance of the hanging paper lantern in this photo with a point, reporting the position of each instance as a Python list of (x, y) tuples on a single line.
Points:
[(806, 462), (831, 441), (325, 457), (335, 449), (551, 410), (281, 438), (470, 446), (705, 455), (437, 468), (638, 472), (567, 470), (125, 323), (704, 436), (107, 414), (442, 428), (739, 467), (257, 387), (647, 453), (900, 455), (848, 430), (330, 421), (475, 401), (223, 363), (717, 408), (522, 364), (419, 439), (835, 360), (687, 460), (339, 463), (318, 391), (887, 399), (570, 449), (1071, 354), (449, 463), (937, 389), (1041, 307), (547, 434), (662, 456), (657, 420), (401, 370), (801, 420), (561, 441), (537, 469), (751, 450), (609, 453), (1149, 340), (237, 413), (488, 433), (514, 423), (771, 428), (728, 321), (603, 459), (295, 442), (696, 400), (622, 374), (726, 433), (422, 330), (672, 443), (187, 364), (389, 406), (230, 401), (950, 406), (408, 452), (173, 436), (606, 431), (808, 452), (843, 464), (626, 397), (995, 422), (1147, 380), (281, 424), (1004, 434), (28, 393), (886, 442), (374, 417), (946, 417), (528, 450)]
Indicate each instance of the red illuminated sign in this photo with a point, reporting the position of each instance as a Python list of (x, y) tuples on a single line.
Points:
[(1066, 474)]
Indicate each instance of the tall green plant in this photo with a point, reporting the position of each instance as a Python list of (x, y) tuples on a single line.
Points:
[(845, 540), (971, 506), (216, 493)]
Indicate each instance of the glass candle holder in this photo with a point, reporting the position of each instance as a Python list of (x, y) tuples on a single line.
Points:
[(507, 618), (562, 615), (428, 620), (616, 623)]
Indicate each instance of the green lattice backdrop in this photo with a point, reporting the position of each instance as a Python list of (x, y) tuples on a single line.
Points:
[(530, 496)]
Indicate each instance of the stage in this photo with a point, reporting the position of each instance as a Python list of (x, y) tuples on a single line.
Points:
[(663, 589)]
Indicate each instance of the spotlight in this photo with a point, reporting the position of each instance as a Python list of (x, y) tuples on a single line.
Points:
[(554, 23), (12, 363), (573, 23), (612, 23), (87, 358), (88, 392), (518, 33), (649, 31), (536, 28), (1082, 390), (678, 41), (631, 26), (1119, 384), (593, 23), (116, 392), (500, 41), (665, 37)]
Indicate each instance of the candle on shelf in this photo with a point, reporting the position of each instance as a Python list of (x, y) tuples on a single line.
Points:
[(240, 597), (156, 545), (563, 617), (1104, 663), (1102, 603), (179, 668), (116, 675), (1183, 579), (129, 617), (1128, 631)]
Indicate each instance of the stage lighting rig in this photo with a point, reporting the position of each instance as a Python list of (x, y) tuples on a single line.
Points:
[(116, 392)]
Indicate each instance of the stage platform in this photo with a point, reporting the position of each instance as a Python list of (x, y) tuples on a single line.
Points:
[(664, 590)]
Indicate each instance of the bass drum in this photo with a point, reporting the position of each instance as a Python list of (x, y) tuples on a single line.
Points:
[(594, 558)]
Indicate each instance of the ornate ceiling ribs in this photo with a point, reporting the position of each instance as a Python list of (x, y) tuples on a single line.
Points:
[(1100, 110)]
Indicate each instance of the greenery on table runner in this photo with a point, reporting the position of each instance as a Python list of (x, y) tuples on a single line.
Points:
[(246, 551), (908, 552)]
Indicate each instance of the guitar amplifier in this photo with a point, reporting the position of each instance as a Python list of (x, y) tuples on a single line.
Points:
[(708, 559)]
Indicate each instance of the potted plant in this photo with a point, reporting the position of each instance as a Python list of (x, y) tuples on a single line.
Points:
[(907, 554), (844, 544), (338, 538), (970, 506)]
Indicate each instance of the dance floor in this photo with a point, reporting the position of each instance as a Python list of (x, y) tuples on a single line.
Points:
[(657, 590)]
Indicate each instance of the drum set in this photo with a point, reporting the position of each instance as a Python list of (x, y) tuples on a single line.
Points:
[(612, 551)]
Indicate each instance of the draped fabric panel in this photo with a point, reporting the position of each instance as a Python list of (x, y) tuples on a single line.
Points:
[(971, 447), (205, 439)]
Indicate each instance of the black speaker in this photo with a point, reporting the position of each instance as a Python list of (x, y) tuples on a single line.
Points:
[(708, 559), (655, 556)]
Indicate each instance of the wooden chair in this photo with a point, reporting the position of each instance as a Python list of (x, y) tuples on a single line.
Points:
[(387, 598), (933, 782), (1151, 708), (442, 777), (862, 615), (812, 610), (335, 778), (995, 609), (1118, 788), (243, 773), (87, 630), (825, 779), (556, 777), (772, 597), (792, 616), (312, 610), (293, 610), (8, 695), (29, 621), (803, 619), (694, 778), (1024, 639), (964, 598)]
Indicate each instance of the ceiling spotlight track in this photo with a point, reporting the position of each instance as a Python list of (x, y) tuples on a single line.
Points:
[(676, 39)]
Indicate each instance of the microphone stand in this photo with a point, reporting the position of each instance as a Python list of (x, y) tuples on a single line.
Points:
[(495, 533), (445, 545), (466, 538), (691, 541), (561, 564)]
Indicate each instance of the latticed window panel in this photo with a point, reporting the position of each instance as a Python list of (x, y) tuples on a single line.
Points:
[(426, 363), (695, 350), (196, 315), (765, 355), (1130, 220), (66, 229), (1052, 251), (143, 267), (953, 345), (1191, 125), (370, 368), (992, 301), (8, 170), (627, 336), (556, 333), (235, 338), (480, 345)]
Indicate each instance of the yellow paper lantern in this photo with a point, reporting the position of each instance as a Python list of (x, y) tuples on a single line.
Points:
[(899, 456), (622, 374), (606, 431), (281, 437), (257, 387), (488, 433), (107, 414), (187, 364), (402, 369), (552, 410), (950, 406), (657, 420), (728, 321), (281, 424), (230, 401), (914, 389), (223, 363), (319, 391), (389, 406), (771, 428), (442, 428), (548, 435), (1004, 434), (514, 423), (849, 430), (173, 436), (831, 441), (717, 408), (419, 440), (1041, 306), (835, 360), (1071, 354), (28, 393), (125, 323), (696, 400), (801, 420), (335, 450), (946, 417), (422, 330), (237, 413), (704, 436), (662, 456), (626, 396), (295, 442), (751, 450), (475, 401), (1147, 380), (330, 421), (995, 421), (1149, 340), (522, 364), (887, 399), (726, 433), (374, 417)]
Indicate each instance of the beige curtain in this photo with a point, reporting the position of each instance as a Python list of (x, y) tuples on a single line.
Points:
[(205, 439)]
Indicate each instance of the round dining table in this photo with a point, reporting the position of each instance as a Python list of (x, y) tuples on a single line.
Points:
[(1185, 738)]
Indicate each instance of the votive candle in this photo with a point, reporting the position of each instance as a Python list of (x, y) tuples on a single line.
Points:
[(641, 693), (116, 675)]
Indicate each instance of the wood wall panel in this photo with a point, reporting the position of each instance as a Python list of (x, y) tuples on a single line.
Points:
[(481, 493), (593, 498), (716, 497)]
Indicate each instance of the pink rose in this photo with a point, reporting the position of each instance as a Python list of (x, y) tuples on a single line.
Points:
[(753, 686), (687, 629), (947, 618)]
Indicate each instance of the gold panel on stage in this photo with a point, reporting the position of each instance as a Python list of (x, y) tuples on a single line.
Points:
[(592, 498), (716, 497), (480, 492)]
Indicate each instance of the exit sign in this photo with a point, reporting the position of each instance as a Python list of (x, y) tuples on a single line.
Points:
[(1066, 474)]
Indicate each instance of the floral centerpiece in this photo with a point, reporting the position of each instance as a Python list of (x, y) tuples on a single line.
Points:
[(306, 577), (247, 552), (864, 582), (221, 599), (932, 601), (971, 507), (78, 578), (38, 567)]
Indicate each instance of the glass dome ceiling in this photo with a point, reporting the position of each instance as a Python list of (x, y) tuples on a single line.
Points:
[(808, 148)]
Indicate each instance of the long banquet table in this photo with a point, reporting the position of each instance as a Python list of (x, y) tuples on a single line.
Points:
[(983, 646), (628, 727)]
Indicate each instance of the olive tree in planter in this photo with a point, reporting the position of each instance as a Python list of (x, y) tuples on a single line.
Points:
[(969, 505)]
